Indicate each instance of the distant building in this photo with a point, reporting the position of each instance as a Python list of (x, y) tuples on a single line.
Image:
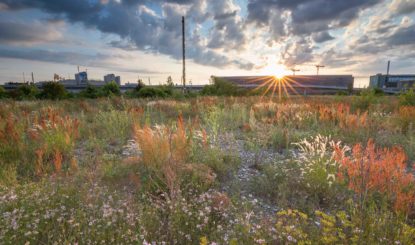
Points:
[(69, 82), (393, 82), (306, 84), (111, 77), (81, 78)]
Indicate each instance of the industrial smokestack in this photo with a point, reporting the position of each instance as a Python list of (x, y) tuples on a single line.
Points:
[(389, 65), (387, 73), (184, 54)]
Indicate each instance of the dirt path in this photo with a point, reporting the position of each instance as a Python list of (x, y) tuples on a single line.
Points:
[(240, 183)]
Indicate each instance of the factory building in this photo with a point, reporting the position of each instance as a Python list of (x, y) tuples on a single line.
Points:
[(392, 82), (304, 84)]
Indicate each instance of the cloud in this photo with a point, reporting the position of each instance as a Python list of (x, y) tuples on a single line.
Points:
[(221, 34), (50, 56), (228, 31), (298, 20), (73, 58), (321, 37), (403, 36), (132, 20), (23, 33), (400, 7), (308, 16), (297, 53), (336, 59)]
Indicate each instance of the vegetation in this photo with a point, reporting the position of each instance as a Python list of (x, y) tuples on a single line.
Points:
[(3, 93), (221, 87), (25, 92), (407, 98), (110, 89), (206, 170), (53, 91), (90, 92)]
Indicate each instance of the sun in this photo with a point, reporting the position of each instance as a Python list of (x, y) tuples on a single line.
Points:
[(277, 81), (277, 71)]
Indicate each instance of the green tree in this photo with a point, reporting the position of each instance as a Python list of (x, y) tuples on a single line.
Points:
[(170, 82), (222, 87), (91, 92), (3, 93), (53, 91), (140, 85), (111, 89), (25, 92)]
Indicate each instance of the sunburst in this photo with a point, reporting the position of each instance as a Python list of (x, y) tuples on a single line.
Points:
[(276, 81)]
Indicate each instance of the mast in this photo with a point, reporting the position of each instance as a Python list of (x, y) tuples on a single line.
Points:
[(184, 54)]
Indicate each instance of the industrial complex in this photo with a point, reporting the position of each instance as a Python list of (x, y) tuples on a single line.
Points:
[(294, 84)]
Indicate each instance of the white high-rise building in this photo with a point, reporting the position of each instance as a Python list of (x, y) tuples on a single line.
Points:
[(111, 77)]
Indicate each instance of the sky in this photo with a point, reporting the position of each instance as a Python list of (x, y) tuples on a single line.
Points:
[(142, 38)]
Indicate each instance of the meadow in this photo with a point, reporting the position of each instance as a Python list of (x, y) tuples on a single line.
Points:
[(208, 170)]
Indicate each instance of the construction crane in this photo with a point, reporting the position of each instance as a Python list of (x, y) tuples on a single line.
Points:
[(318, 68), (294, 71)]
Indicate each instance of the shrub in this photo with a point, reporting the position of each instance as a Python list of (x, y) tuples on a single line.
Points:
[(165, 160), (407, 98), (112, 126), (53, 91), (221, 87), (308, 181), (151, 92), (317, 160), (25, 92), (91, 92), (366, 98), (342, 93), (370, 171), (52, 140), (223, 164), (110, 89), (42, 145), (3, 93), (406, 118)]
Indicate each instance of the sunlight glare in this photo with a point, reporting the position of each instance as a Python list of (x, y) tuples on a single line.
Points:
[(277, 71)]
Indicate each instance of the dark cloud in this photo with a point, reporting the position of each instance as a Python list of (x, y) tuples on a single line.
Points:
[(400, 7), (321, 37), (396, 39), (403, 36), (21, 33), (228, 32), (297, 53), (131, 20), (51, 56), (309, 16)]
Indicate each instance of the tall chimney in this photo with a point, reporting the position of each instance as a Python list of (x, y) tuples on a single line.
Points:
[(387, 73)]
